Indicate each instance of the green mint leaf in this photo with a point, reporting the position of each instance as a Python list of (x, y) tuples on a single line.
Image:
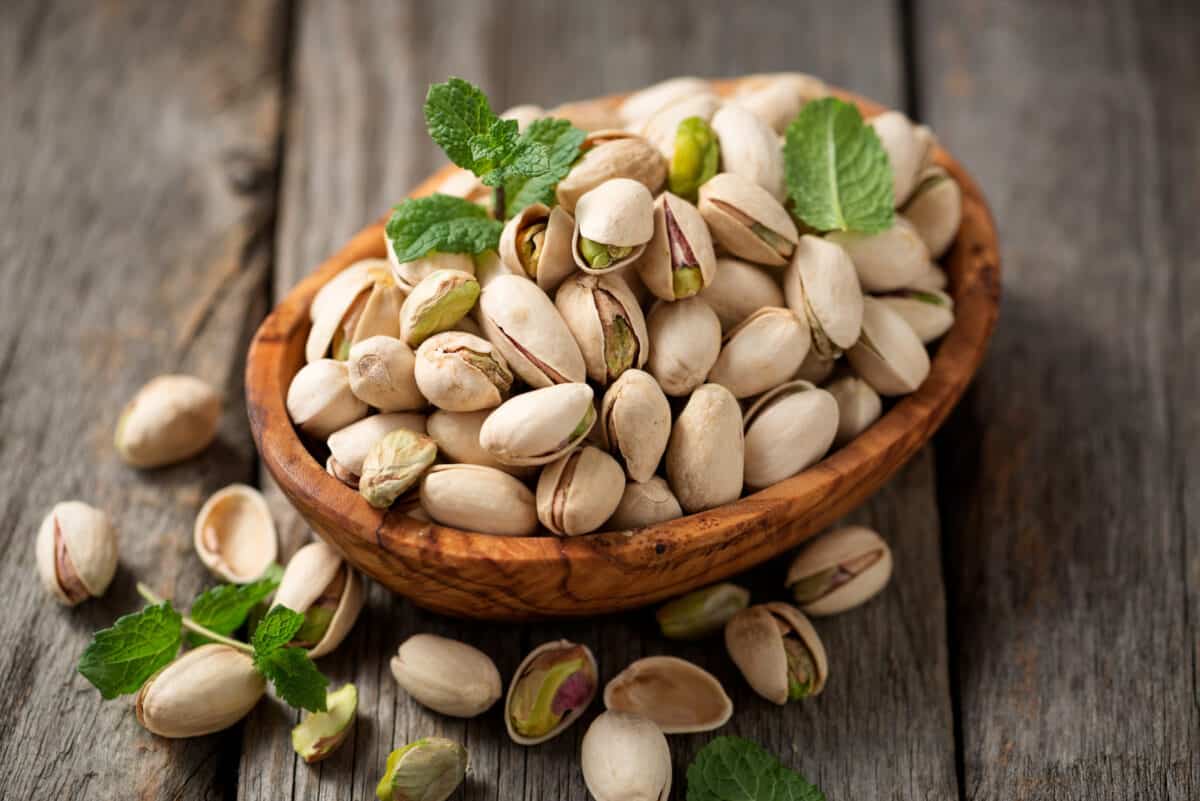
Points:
[(224, 608), (275, 630), (120, 659), (443, 223), (838, 173), (296, 679), (561, 141), (735, 769)]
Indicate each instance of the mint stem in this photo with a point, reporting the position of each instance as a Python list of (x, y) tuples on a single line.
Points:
[(498, 203), (191, 625)]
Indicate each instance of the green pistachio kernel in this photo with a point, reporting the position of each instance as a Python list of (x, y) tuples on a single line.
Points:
[(584, 426), (802, 669), (774, 240), (600, 256), (687, 281), (557, 682), (529, 247), (697, 153)]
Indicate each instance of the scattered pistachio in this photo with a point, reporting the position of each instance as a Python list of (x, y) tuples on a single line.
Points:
[(170, 419), (625, 757), (702, 612), (76, 552), (206, 689), (319, 734), (429, 769), (551, 688), (447, 676), (839, 571)]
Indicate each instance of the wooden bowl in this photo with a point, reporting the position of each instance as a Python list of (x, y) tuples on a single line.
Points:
[(519, 578)]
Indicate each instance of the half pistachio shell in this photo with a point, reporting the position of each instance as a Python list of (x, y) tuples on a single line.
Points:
[(935, 210), (609, 155), (907, 149), (541, 426), (859, 406), (703, 612), (930, 313), (446, 675), (206, 689), (76, 552), (234, 534), (320, 401), (787, 430), (171, 418), (457, 437), (613, 223), (635, 423), (577, 493), (461, 372), (429, 769), (886, 261), (706, 451), (625, 757), (645, 504), (766, 349), (477, 498), (607, 323), (778, 652), (747, 220), (537, 243), (348, 446), (393, 466), (641, 104), (678, 696), (889, 354), (319, 734), (750, 148), (551, 688), (685, 340), (360, 302), (437, 304), (679, 261), (320, 585), (822, 286), (380, 370), (839, 571), (739, 289), (777, 98), (523, 324)]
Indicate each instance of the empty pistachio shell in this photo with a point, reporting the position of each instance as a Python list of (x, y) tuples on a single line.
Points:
[(319, 734), (821, 285), (777, 98), (607, 323), (410, 273), (929, 312), (635, 423), (906, 150), (446, 675), (763, 351), (889, 354), (661, 129), (320, 585), (457, 438), (739, 289), (436, 304), (644, 504), (537, 243), (702, 612), (540, 426), (320, 401), (550, 690), (678, 696), (641, 104), (859, 406), (577, 493), (613, 223), (706, 451), (348, 446), (360, 302), (747, 220), (626, 156), (380, 370), (521, 321), (206, 689), (750, 148), (76, 552), (932, 277), (815, 369), (461, 372), (885, 261), (170, 419), (524, 115), (478, 498), (935, 210), (430, 769), (694, 159), (679, 260), (234, 534), (625, 757), (685, 340), (839, 571), (787, 430), (778, 652), (393, 466)]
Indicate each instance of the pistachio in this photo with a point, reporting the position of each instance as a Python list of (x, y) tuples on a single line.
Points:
[(787, 430), (76, 552), (635, 423), (550, 690), (625, 757), (478, 498), (447, 676), (739, 289), (839, 571), (678, 696), (747, 220), (394, 464), (234, 534), (859, 406), (607, 323), (577, 493), (457, 438), (641, 104), (171, 418), (207, 689), (319, 584), (750, 148), (588, 115), (613, 223), (778, 652), (679, 260), (821, 285), (932, 277), (685, 340), (540, 426), (889, 354), (380, 370), (461, 372), (694, 159), (360, 302), (521, 321), (815, 368), (929, 312), (935, 210), (319, 399), (537, 243), (626, 156), (348, 446), (410, 274), (429, 769), (907, 149), (885, 261), (436, 304), (644, 504), (702, 612), (319, 734), (661, 129), (523, 115), (762, 352), (777, 98), (706, 450)]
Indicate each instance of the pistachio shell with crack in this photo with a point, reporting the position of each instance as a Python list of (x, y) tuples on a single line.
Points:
[(762, 352), (613, 223), (607, 323), (886, 261), (889, 354), (929, 312), (540, 426), (678, 696), (204, 690), (907, 149), (446, 675), (839, 571), (76, 552), (609, 155), (640, 105), (436, 304), (457, 438), (747, 220), (685, 340), (750, 148), (380, 371), (171, 418), (429, 769), (635, 423), (319, 399), (706, 451), (320, 585), (393, 466), (935, 210), (537, 243), (360, 302), (523, 324), (551, 688), (461, 372), (778, 652), (776, 98), (859, 406), (787, 430), (679, 261), (234, 534), (477, 498), (348, 446), (577, 493), (319, 734), (822, 286), (739, 289), (625, 757), (645, 504)]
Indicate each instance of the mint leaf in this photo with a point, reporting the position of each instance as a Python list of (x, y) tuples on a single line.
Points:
[(296, 679), (561, 140), (441, 222), (838, 173), (120, 659), (276, 629), (224, 608), (735, 769)]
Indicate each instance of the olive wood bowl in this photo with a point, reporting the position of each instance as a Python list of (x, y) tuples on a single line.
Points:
[(521, 578)]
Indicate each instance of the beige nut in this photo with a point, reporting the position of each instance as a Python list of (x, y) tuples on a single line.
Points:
[(839, 571), (234, 534), (762, 352), (625, 757), (625, 156), (523, 324), (859, 406), (613, 223), (537, 243), (320, 585), (393, 466), (477, 498), (679, 261), (739, 289), (747, 220), (929, 312), (640, 105), (777, 98), (607, 323), (380, 370), (457, 438), (410, 273), (889, 354), (207, 689), (778, 652), (171, 418), (645, 504), (685, 340), (461, 372), (540, 426), (787, 430), (662, 127), (76, 552), (885, 261), (750, 148), (446, 675), (319, 399), (577, 493), (706, 450), (821, 285), (360, 302), (907, 150), (348, 446), (635, 423), (935, 210)]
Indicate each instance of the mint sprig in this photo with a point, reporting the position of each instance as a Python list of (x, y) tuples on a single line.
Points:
[(562, 141), (736, 769), (120, 659), (443, 223), (224, 608), (297, 680)]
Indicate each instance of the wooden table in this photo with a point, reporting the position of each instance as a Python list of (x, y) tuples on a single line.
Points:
[(166, 169)]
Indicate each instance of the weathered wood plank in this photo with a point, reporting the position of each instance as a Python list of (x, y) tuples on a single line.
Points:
[(1070, 485), (136, 191)]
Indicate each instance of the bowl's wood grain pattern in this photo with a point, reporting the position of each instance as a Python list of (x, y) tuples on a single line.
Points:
[(514, 578)]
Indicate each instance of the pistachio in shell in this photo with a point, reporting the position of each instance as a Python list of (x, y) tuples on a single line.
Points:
[(643, 103), (394, 464), (348, 446), (694, 159), (678, 696), (577, 493), (702, 612), (750, 148), (489, 265), (662, 128), (537, 243), (429, 769), (907, 149), (461, 372), (815, 369), (320, 585), (739, 289), (478, 498), (930, 313), (457, 438), (935, 210), (76, 552), (645, 504), (319, 399), (360, 302), (446, 675), (685, 340), (436, 304), (679, 261), (932, 277), (607, 323), (762, 352), (776, 98), (706, 451), (608, 155), (523, 324), (886, 261), (625, 757), (234, 534), (787, 430), (839, 571), (204, 690), (540, 426), (635, 423), (613, 223), (380, 371), (319, 734), (822, 286), (550, 690), (171, 418), (747, 220), (778, 652), (889, 355), (859, 406)]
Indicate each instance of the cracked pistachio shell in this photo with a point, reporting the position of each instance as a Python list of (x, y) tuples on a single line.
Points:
[(477, 498), (685, 340), (537, 243), (706, 450), (747, 220), (607, 323), (886, 261), (787, 430), (930, 313), (206, 689), (76, 552), (234, 534), (459, 183), (171, 418), (429, 769), (635, 423), (762, 352), (662, 128), (840, 570), (617, 217), (579, 492), (702, 612), (935, 210), (348, 446), (932, 277), (588, 115), (755, 639), (859, 406), (523, 115), (750, 148), (437, 304), (678, 696), (319, 584), (739, 289), (815, 368), (319, 734), (889, 354), (457, 438), (320, 401), (360, 302), (606, 157), (393, 466), (777, 98), (907, 149), (641, 104), (380, 370), (679, 261), (625, 757), (540, 426), (821, 285), (446, 675), (411, 273), (551, 688), (645, 504), (523, 324), (461, 372)]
